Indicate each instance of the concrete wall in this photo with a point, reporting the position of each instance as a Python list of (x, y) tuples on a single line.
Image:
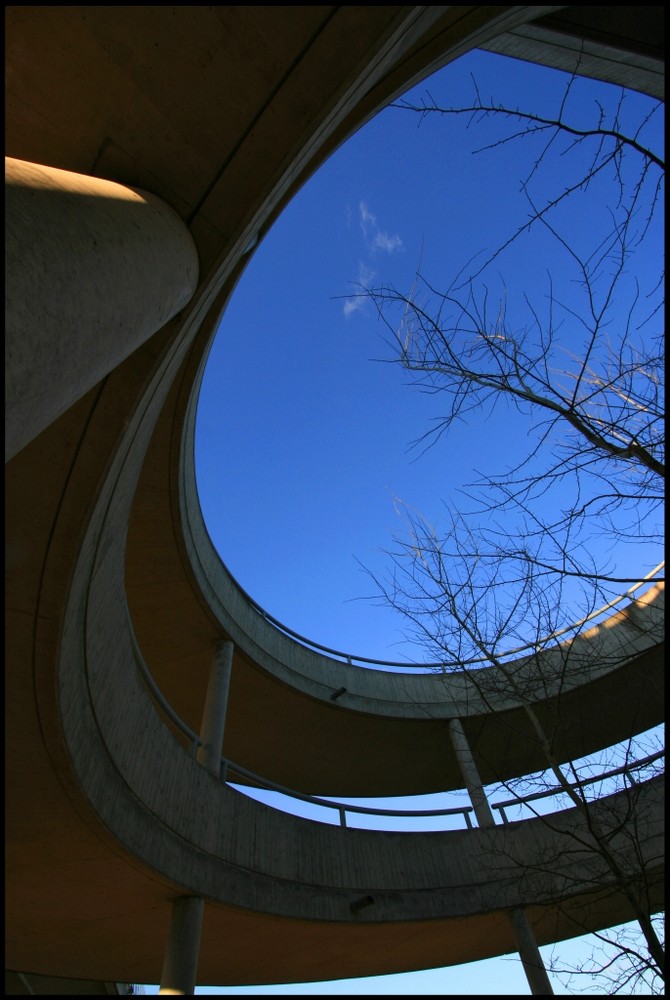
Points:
[(220, 112)]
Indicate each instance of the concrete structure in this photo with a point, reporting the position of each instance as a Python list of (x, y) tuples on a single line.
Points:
[(141, 138)]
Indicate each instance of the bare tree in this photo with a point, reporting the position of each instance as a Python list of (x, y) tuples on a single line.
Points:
[(588, 370), (469, 613), (534, 549)]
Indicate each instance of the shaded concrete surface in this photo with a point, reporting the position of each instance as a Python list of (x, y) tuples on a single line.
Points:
[(222, 112), (623, 48), (26, 984)]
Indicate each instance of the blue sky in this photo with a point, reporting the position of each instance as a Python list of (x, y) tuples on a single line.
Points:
[(303, 442), (304, 436), (493, 977)]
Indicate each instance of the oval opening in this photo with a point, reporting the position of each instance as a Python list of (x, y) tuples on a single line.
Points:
[(304, 459)]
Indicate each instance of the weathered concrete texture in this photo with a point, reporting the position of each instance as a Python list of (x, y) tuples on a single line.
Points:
[(627, 51), (620, 661), (222, 113), (92, 269), (27, 984), (217, 842)]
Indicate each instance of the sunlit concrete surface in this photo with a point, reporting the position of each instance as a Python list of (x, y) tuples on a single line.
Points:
[(220, 113), (122, 265)]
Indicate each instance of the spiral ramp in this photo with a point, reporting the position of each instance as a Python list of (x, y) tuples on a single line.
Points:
[(221, 114)]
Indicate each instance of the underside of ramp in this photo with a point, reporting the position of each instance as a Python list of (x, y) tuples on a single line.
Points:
[(213, 117)]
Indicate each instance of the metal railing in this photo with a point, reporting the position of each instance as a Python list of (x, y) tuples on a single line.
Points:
[(353, 659), (625, 769), (341, 807), (227, 766)]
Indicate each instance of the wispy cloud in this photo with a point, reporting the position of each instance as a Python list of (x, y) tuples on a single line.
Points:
[(357, 301), (382, 241), (368, 220), (376, 240), (379, 240), (351, 306)]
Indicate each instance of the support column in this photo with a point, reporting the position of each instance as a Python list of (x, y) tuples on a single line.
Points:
[(529, 953), (216, 706), (180, 965), (92, 270), (470, 774)]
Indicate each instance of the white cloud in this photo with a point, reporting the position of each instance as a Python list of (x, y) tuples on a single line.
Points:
[(379, 240), (352, 306), (368, 220), (357, 301), (382, 241), (365, 275)]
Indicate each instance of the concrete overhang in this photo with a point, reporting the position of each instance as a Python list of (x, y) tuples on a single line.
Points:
[(222, 112), (624, 49)]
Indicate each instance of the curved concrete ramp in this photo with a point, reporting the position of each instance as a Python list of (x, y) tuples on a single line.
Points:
[(222, 113)]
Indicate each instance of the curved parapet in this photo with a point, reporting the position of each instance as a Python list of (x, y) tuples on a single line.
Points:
[(449, 690), (176, 818), (394, 723), (188, 835), (109, 818)]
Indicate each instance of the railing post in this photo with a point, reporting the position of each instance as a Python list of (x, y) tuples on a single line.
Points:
[(180, 965), (529, 953)]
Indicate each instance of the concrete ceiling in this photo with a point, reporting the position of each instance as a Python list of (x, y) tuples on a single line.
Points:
[(222, 112)]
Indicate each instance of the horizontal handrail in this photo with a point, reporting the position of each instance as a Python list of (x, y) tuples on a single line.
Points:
[(352, 658), (465, 811), (591, 780), (341, 807), (227, 765), (164, 704)]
